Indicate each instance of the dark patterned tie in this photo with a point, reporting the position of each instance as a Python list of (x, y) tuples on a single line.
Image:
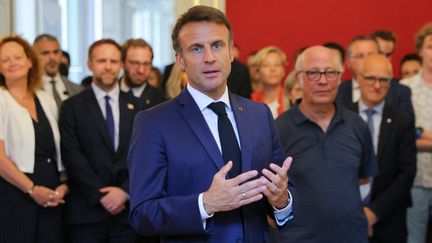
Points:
[(230, 148), (109, 119), (56, 95)]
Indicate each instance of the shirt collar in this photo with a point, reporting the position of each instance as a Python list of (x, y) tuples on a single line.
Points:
[(355, 84), (203, 100), (100, 94), (47, 78), (299, 117), (378, 108), (137, 91)]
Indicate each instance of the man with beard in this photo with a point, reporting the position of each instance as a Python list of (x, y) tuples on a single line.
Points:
[(48, 50), (137, 56), (95, 127)]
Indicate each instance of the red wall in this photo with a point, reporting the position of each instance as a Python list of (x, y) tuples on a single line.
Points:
[(292, 24)]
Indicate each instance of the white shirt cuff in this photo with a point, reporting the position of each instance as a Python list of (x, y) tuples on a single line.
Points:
[(203, 213)]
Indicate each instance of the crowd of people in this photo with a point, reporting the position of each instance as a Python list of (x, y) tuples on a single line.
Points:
[(214, 150)]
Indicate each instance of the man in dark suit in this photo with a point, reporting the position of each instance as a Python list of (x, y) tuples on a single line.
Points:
[(50, 54), (388, 196), (137, 56), (95, 126), (398, 96), (207, 166)]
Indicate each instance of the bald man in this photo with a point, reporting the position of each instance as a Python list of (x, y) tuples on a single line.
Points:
[(332, 148), (387, 196)]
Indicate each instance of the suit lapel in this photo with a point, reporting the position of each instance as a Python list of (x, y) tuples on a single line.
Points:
[(96, 114), (194, 118), (244, 129), (127, 111), (385, 130)]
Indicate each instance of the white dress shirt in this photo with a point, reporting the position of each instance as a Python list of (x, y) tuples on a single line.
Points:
[(60, 87), (355, 91), (115, 107), (136, 91), (211, 118)]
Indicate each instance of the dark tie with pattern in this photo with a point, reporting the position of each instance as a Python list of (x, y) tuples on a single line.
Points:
[(55, 93), (230, 148), (109, 119)]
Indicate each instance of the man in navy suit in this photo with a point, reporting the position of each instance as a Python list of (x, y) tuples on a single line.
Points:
[(393, 134), (398, 96), (95, 128), (182, 187)]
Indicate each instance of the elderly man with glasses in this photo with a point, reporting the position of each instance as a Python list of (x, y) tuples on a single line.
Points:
[(332, 151)]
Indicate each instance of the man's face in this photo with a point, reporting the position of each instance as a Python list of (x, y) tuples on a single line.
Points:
[(426, 53), (386, 47), (358, 51), (319, 89), (106, 65), (50, 55), (206, 56), (410, 68), (137, 65), (374, 80)]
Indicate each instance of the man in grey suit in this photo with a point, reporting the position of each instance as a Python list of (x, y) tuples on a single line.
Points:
[(48, 50)]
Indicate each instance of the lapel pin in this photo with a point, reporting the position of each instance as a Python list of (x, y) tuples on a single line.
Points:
[(241, 108), (130, 106), (389, 120), (147, 102)]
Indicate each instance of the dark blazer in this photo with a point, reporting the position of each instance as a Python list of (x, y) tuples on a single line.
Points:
[(71, 87), (89, 157), (151, 97), (173, 158), (396, 156), (239, 79), (399, 96)]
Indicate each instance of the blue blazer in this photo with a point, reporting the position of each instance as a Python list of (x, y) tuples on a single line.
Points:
[(173, 158)]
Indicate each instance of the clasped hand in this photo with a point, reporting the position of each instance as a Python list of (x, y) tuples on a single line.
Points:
[(228, 194)]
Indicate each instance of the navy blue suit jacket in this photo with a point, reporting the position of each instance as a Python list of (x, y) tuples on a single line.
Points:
[(173, 158), (398, 97), (89, 157)]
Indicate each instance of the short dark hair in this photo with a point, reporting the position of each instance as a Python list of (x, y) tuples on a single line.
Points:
[(102, 42), (421, 35), (411, 57), (199, 14), (336, 46), (67, 56), (34, 81), (135, 43), (361, 38), (45, 37), (385, 35)]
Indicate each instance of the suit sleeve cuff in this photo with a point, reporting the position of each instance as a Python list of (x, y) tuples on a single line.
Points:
[(283, 215), (203, 213)]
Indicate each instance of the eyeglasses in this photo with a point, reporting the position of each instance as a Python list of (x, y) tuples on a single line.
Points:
[(382, 80), (137, 64), (315, 75)]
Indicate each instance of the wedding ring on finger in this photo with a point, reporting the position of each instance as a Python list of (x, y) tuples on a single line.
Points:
[(243, 195)]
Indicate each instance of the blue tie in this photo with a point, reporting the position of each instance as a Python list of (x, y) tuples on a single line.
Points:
[(369, 114), (230, 148), (109, 119)]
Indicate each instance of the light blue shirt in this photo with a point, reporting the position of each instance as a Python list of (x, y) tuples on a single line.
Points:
[(115, 107), (202, 100), (376, 122)]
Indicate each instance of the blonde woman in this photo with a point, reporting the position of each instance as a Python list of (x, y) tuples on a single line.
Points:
[(176, 82), (271, 68)]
